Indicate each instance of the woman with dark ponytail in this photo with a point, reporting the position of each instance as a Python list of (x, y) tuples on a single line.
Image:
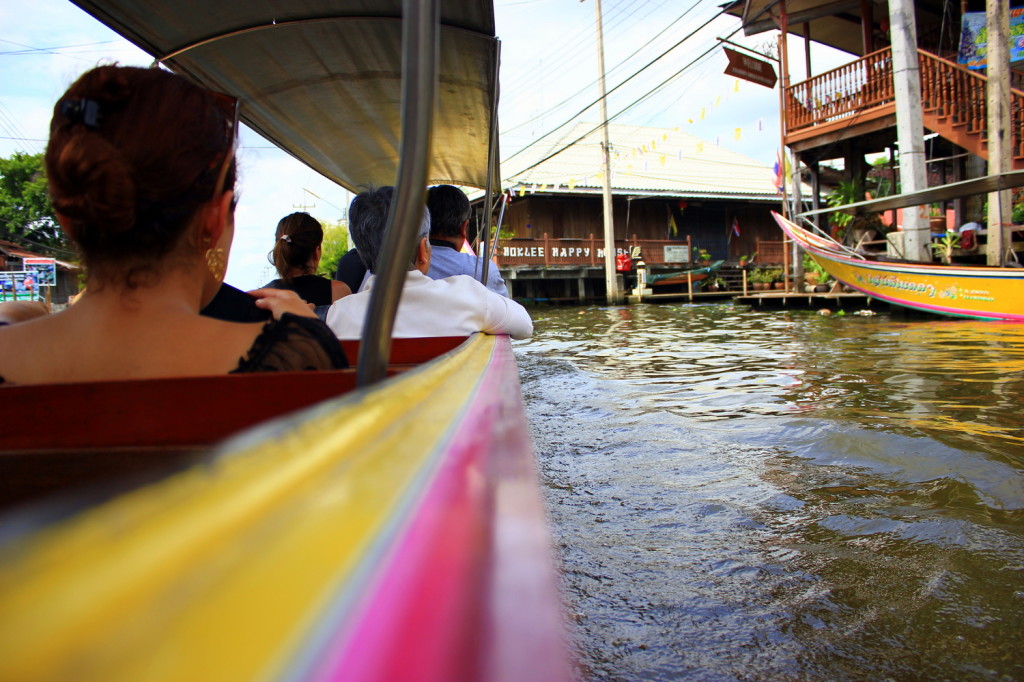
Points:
[(296, 255), (141, 171)]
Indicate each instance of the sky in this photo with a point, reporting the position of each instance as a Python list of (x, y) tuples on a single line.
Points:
[(661, 72)]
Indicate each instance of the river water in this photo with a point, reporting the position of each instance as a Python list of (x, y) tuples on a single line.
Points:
[(741, 495)]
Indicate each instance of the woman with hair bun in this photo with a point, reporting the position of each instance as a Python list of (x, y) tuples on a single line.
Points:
[(296, 256), (141, 171)]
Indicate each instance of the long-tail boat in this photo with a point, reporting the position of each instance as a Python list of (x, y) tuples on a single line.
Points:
[(685, 276), (379, 523), (979, 292)]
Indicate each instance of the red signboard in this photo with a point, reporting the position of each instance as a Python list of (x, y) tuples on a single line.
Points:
[(750, 69)]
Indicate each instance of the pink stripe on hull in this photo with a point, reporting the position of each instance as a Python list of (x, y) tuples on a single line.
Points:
[(422, 620)]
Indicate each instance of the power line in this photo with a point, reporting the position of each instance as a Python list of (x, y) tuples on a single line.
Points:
[(640, 99), (622, 83), (617, 66)]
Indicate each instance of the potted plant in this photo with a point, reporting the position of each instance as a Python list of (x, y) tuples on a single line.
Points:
[(715, 283), (778, 279), (846, 192), (945, 245), (702, 256), (937, 218), (760, 278), (815, 275), (744, 260)]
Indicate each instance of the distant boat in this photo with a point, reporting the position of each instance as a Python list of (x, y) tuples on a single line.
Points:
[(695, 275), (978, 292)]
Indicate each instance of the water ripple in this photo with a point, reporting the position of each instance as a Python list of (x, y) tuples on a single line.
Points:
[(742, 495)]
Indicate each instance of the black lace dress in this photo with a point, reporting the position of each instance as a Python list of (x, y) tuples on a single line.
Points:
[(291, 344)]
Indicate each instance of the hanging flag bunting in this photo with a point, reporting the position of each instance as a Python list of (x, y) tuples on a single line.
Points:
[(522, 190), (702, 113), (700, 147), (737, 134), (572, 184), (718, 100), (661, 160), (760, 124), (544, 187), (534, 188), (736, 86)]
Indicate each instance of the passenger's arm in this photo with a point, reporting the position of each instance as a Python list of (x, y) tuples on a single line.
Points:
[(339, 290), (12, 312), (505, 316), (281, 301)]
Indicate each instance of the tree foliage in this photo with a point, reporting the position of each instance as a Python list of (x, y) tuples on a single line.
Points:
[(334, 247), (26, 215)]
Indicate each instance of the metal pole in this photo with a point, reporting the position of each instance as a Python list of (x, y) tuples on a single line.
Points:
[(492, 174), (420, 34), (611, 279)]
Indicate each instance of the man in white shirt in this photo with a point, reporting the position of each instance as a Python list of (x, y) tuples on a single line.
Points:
[(449, 219), (453, 306)]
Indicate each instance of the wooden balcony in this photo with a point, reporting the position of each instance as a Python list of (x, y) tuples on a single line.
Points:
[(858, 98)]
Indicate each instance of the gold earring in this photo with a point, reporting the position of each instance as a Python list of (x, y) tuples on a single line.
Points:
[(216, 262)]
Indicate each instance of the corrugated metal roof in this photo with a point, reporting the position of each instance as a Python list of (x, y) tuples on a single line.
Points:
[(15, 251), (654, 161)]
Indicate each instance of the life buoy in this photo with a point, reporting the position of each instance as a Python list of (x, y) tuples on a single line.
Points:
[(623, 262)]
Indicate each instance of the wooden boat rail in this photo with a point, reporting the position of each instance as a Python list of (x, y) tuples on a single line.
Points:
[(106, 430)]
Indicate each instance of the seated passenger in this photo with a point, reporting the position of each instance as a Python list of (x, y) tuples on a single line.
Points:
[(449, 218), (351, 270), (453, 306), (296, 255), (141, 171)]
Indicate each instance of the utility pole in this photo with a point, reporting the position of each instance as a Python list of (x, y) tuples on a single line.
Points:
[(611, 278), (906, 77), (997, 20)]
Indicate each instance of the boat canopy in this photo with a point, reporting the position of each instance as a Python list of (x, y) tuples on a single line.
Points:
[(322, 79)]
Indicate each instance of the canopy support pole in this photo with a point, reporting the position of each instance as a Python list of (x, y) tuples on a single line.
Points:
[(420, 33)]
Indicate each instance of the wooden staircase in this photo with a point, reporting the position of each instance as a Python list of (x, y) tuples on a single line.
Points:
[(954, 105)]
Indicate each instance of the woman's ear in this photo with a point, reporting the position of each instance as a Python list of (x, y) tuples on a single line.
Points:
[(218, 215)]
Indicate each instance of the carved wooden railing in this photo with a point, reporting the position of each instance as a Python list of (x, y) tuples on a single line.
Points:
[(953, 99), (841, 92), (958, 97), (770, 252), (547, 251)]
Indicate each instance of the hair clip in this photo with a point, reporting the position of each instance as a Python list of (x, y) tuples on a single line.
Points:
[(286, 238), (85, 111)]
